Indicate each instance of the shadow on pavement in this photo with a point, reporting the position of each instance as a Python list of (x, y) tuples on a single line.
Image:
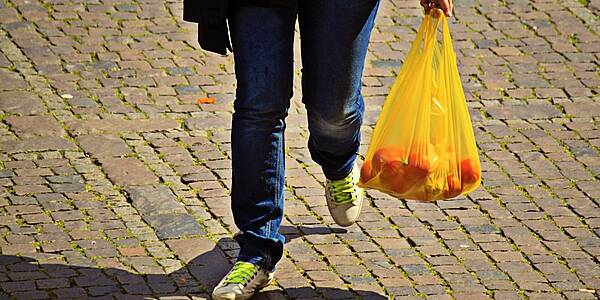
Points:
[(23, 277)]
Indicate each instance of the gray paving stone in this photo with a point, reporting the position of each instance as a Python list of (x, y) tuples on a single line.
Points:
[(38, 144), (208, 121), (25, 103), (127, 171), (103, 145), (149, 200), (34, 125), (173, 225), (11, 81), (526, 112), (160, 208), (583, 109), (121, 125)]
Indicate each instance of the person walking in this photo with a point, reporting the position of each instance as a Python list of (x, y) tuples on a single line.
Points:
[(334, 39)]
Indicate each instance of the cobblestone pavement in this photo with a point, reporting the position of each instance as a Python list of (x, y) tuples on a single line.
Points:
[(115, 183)]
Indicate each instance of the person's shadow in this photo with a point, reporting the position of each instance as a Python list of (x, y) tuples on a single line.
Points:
[(23, 277)]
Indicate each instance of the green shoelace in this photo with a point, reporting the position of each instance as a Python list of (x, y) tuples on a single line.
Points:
[(241, 273), (343, 190)]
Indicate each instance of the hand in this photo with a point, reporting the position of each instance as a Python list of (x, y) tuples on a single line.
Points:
[(445, 5)]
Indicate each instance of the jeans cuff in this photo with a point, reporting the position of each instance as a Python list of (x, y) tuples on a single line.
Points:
[(254, 259)]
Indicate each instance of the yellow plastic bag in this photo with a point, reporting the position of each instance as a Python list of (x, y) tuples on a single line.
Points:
[(423, 147)]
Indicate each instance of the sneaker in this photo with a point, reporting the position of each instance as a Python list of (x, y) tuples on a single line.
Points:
[(242, 282), (345, 198)]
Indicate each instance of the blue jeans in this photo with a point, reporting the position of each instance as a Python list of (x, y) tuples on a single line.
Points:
[(335, 35)]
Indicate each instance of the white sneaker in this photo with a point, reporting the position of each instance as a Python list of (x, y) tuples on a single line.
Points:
[(345, 198), (242, 281)]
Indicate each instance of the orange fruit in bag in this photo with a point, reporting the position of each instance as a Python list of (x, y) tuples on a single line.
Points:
[(393, 176), (419, 165), (469, 171), (386, 155), (388, 162), (366, 171)]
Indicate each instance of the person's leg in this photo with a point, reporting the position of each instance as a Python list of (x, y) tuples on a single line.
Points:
[(334, 35), (262, 40)]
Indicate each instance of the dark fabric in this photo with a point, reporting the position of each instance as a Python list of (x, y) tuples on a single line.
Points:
[(286, 3), (211, 16), (205, 12), (213, 34), (214, 38)]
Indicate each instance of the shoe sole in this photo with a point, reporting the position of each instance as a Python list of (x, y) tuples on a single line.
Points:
[(234, 297)]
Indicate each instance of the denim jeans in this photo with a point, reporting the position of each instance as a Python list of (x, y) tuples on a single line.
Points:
[(334, 39)]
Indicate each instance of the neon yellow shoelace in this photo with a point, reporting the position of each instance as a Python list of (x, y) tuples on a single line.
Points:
[(241, 273), (343, 190)]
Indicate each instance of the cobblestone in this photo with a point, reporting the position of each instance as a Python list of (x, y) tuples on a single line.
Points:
[(115, 183)]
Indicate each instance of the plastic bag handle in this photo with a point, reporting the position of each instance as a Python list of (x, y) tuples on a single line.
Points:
[(446, 38), (439, 17)]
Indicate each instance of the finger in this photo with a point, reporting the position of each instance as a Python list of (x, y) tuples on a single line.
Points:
[(445, 6), (450, 8)]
